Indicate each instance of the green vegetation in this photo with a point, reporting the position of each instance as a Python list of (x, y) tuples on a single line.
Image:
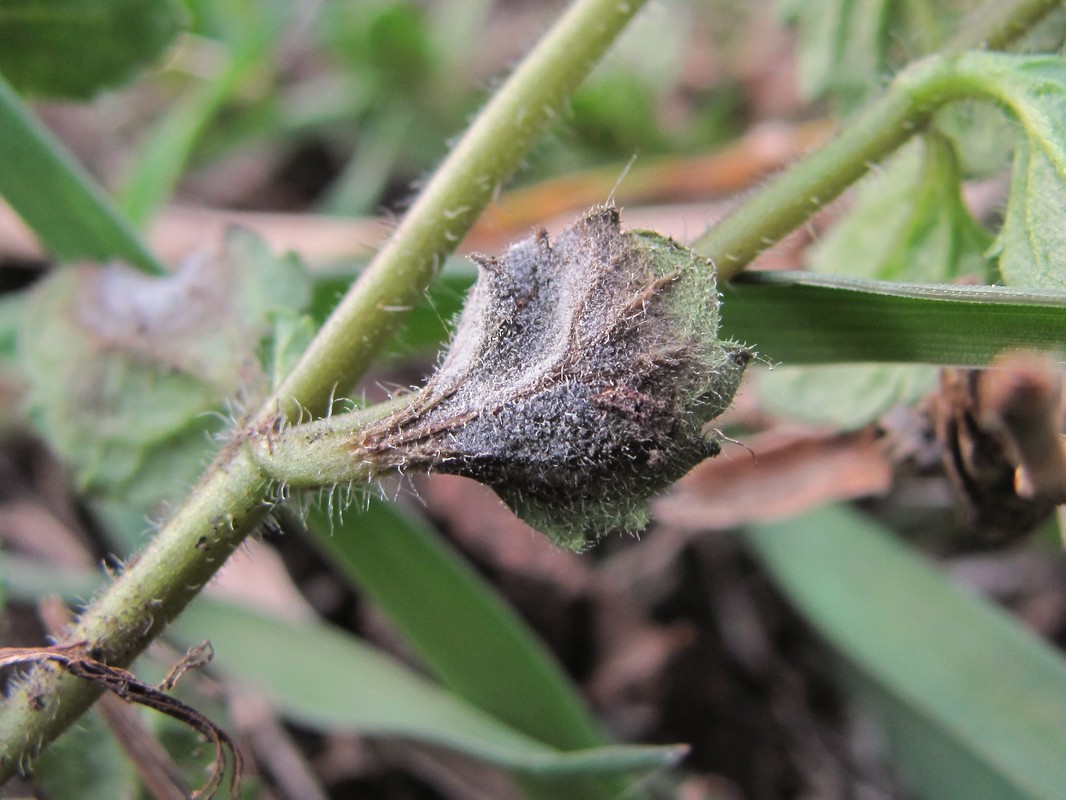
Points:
[(139, 377)]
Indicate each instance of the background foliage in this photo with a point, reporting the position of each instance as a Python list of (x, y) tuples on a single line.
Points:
[(326, 115)]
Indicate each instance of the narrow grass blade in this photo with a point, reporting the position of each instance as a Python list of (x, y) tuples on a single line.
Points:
[(464, 632), (157, 168), (470, 639), (974, 705), (803, 318), (325, 678), (57, 198)]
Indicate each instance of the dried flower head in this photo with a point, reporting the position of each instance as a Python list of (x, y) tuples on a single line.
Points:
[(579, 382)]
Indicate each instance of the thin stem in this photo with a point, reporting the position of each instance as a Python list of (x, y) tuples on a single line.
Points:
[(474, 171), (228, 502), (325, 452), (996, 24), (917, 92)]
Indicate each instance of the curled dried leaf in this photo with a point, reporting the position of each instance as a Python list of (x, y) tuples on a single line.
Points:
[(76, 658)]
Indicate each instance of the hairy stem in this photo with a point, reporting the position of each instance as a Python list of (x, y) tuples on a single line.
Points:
[(325, 452), (228, 502), (913, 97)]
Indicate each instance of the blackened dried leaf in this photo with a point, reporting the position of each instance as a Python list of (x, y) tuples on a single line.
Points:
[(579, 382)]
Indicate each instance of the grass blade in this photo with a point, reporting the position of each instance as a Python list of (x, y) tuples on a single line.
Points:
[(804, 318), (470, 639), (57, 198), (974, 704), (466, 634), (328, 679)]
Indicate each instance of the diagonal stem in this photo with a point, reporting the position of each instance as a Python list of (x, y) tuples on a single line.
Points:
[(912, 98), (229, 500)]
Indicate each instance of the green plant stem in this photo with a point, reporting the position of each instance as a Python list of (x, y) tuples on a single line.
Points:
[(913, 97), (325, 452), (228, 502), (995, 24), (474, 171)]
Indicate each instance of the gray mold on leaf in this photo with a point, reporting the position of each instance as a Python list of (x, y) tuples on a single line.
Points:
[(579, 382), (127, 373)]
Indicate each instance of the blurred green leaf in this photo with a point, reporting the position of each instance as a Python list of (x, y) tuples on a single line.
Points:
[(107, 40), (984, 136), (841, 43), (86, 763), (158, 166), (845, 396), (57, 198), (360, 185), (470, 639), (293, 332), (973, 703), (1034, 89), (386, 40), (1032, 242), (324, 678), (806, 318), (127, 373), (908, 223), (428, 324)]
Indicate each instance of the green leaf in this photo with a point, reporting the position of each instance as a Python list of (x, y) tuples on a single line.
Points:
[(74, 48), (806, 318), (843, 45), (1032, 242), (844, 396), (86, 763), (428, 325), (323, 678), (327, 679), (384, 42), (908, 223), (127, 373), (974, 704), (293, 332), (468, 637), (984, 136), (1033, 88), (57, 198)]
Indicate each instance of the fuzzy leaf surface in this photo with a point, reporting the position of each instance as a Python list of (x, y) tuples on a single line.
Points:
[(1032, 241), (127, 373)]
